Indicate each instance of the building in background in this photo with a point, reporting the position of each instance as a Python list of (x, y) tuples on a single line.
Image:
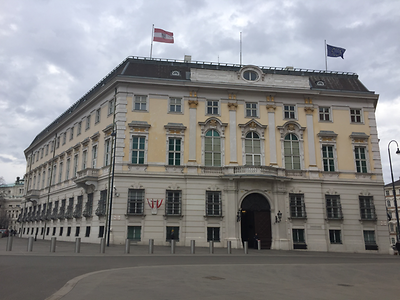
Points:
[(391, 209), (11, 197), (212, 152)]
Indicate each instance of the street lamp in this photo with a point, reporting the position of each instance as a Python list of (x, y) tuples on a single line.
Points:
[(394, 195)]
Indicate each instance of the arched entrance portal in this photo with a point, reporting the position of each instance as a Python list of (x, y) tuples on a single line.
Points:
[(256, 218)]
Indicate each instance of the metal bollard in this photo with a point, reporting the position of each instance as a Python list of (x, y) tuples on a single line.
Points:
[(192, 246), (53, 244), (211, 245), (246, 247), (77, 245), (229, 247), (127, 246), (172, 246), (30, 244), (151, 246), (258, 244), (9, 243), (102, 245)]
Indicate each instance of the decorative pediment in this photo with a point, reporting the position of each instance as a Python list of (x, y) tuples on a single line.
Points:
[(108, 130), (175, 128), (253, 125), (95, 137), (291, 127), (327, 136), (85, 142), (139, 126), (213, 123), (359, 137)]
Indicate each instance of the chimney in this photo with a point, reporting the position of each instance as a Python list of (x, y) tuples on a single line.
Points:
[(187, 59)]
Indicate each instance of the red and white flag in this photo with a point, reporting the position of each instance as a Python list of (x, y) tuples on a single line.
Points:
[(163, 36)]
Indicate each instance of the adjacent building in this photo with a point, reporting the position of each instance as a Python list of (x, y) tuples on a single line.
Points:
[(391, 209), (11, 196), (184, 150)]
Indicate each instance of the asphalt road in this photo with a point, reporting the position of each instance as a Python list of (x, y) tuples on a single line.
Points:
[(162, 275)]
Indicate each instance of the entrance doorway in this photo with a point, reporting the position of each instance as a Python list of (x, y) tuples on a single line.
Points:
[(256, 218)]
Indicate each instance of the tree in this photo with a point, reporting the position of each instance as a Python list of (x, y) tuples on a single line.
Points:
[(4, 219)]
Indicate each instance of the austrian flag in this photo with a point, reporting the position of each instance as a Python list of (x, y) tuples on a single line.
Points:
[(163, 36)]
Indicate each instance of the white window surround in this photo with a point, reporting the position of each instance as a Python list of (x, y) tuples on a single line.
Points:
[(249, 105), (360, 139), (216, 124), (177, 103), (245, 71), (329, 113), (139, 129), (296, 129), (253, 126), (213, 107), (328, 138), (294, 111), (355, 115), (174, 130)]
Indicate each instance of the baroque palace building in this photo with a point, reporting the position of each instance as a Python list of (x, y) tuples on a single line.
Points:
[(212, 152)]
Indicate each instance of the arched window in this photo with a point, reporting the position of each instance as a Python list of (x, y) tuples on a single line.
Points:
[(212, 149), (253, 149), (292, 152)]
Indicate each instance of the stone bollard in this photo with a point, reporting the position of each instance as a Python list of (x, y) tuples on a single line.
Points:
[(173, 242), (258, 244), (151, 246), (53, 244), (30, 244), (77, 245), (211, 246), (229, 247), (9, 243), (192, 246), (102, 245), (246, 247), (127, 246)]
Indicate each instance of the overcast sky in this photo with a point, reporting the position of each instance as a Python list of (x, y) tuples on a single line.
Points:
[(53, 52)]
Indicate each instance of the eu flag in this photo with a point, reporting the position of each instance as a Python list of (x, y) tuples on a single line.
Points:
[(335, 51)]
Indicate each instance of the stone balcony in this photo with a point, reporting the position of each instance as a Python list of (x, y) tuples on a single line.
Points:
[(87, 179), (32, 195)]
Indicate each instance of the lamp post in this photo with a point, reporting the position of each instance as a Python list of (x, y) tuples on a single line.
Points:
[(394, 195)]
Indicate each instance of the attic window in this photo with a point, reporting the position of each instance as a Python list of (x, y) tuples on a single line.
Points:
[(250, 75), (320, 83), (175, 73)]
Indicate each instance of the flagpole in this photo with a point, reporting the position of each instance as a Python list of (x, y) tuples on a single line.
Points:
[(326, 59), (240, 48), (152, 38)]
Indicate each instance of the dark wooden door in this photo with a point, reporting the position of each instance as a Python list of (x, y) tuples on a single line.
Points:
[(262, 226)]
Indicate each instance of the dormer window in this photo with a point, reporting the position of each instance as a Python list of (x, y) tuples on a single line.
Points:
[(250, 75), (176, 73), (320, 83)]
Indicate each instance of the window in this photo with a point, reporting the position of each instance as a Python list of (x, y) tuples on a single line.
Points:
[(88, 212), (355, 115), (107, 152), (57, 144), (292, 152), (324, 113), (173, 203), (101, 231), (250, 75), (79, 128), (67, 168), (47, 146), (75, 171), (97, 117), (138, 148), (77, 231), (174, 152), (140, 103), (289, 111), (251, 109), (135, 201), (43, 179), (328, 159), (212, 149), (61, 230), (367, 208), (175, 105), (87, 122), (64, 141), (54, 175), (369, 240), (297, 206), (111, 105), (60, 172), (335, 236), (213, 234), (299, 241), (333, 207), (253, 149), (84, 159), (94, 156), (213, 204), (361, 159), (69, 231), (71, 136), (388, 203), (42, 151), (212, 107), (172, 233), (391, 227), (87, 233), (387, 193), (134, 233)]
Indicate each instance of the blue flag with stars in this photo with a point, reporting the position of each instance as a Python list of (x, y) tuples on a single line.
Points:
[(333, 51)]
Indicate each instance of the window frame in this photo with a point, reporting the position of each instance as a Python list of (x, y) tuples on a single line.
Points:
[(357, 113), (141, 141), (252, 153), (328, 162), (141, 100), (323, 114), (367, 208), (213, 107), (335, 236), (251, 107), (297, 210), (173, 203), (360, 169), (213, 206), (292, 156), (97, 116), (174, 152), (88, 119), (333, 207), (173, 103), (137, 201), (213, 152), (287, 112), (214, 234)]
